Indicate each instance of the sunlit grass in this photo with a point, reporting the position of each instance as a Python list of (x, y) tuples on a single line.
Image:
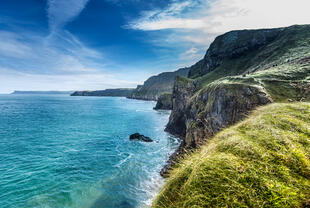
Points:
[(263, 161)]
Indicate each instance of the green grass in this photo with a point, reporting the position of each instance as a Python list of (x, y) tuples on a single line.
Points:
[(282, 67), (183, 80), (263, 161)]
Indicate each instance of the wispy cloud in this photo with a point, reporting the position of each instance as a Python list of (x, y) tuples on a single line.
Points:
[(11, 45), (59, 61), (168, 18), (221, 15), (194, 24), (60, 12)]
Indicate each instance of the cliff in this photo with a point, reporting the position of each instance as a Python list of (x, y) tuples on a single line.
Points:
[(241, 71), (156, 85), (164, 102), (262, 161), (232, 45), (121, 92)]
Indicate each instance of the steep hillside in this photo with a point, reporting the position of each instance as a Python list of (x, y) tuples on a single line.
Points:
[(242, 70), (121, 92), (263, 161), (156, 85)]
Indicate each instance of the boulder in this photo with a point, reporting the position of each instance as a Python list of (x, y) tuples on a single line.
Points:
[(140, 137)]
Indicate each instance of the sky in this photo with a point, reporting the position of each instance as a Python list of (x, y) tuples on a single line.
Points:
[(99, 44)]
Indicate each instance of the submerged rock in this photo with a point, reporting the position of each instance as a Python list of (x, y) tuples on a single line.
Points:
[(140, 137)]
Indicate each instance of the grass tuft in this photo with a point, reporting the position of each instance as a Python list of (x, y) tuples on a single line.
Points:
[(263, 161)]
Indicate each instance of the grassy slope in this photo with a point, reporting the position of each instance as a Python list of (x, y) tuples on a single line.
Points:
[(269, 68), (263, 161), (161, 83)]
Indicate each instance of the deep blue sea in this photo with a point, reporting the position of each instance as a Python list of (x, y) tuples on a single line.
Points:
[(58, 151)]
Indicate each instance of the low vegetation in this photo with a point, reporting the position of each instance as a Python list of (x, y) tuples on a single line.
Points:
[(263, 161), (282, 67)]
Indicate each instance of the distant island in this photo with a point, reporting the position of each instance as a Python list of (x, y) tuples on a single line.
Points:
[(42, 92), (157, 85), (119, 92)]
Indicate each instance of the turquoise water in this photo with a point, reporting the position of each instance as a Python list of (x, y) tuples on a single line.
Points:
[(74, 152)]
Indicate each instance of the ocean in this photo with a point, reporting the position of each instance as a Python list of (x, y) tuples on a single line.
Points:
[(58, 151)]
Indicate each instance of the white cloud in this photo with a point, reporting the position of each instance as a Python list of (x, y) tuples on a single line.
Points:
[(11, 80), (191, 51), (243, 14), (166, 18), (199, 22), (191, 56), (59, 61), (169, 23), (30, 62), (222, 15), (60, 12), (12, 46)]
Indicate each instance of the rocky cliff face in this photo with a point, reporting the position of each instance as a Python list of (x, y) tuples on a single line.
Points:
[(183, 90), (164, 102), (156, 85), (214, 109), (241, 70)]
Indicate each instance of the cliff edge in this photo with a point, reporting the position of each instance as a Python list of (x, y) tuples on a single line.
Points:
[(262, 161), (241, 71)]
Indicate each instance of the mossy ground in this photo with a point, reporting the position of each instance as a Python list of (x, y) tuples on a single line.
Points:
[(263, 161)]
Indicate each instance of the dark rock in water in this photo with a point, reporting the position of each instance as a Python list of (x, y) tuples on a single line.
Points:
[(140, 137)]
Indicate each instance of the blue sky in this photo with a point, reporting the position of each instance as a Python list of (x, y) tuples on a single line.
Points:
[(99, 44)]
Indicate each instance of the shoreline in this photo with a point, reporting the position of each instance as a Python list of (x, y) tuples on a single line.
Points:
[(147, 186), (179, 151), (173, 157)]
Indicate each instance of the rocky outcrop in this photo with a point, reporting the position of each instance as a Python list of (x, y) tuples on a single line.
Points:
[(240, 71), (140, 137), (164, 102), (183, 90), (121, 92), (157, 85), (197, 116), (214, 109)]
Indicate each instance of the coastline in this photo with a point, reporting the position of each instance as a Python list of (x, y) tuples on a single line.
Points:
[(173, 158), (98, 134)]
